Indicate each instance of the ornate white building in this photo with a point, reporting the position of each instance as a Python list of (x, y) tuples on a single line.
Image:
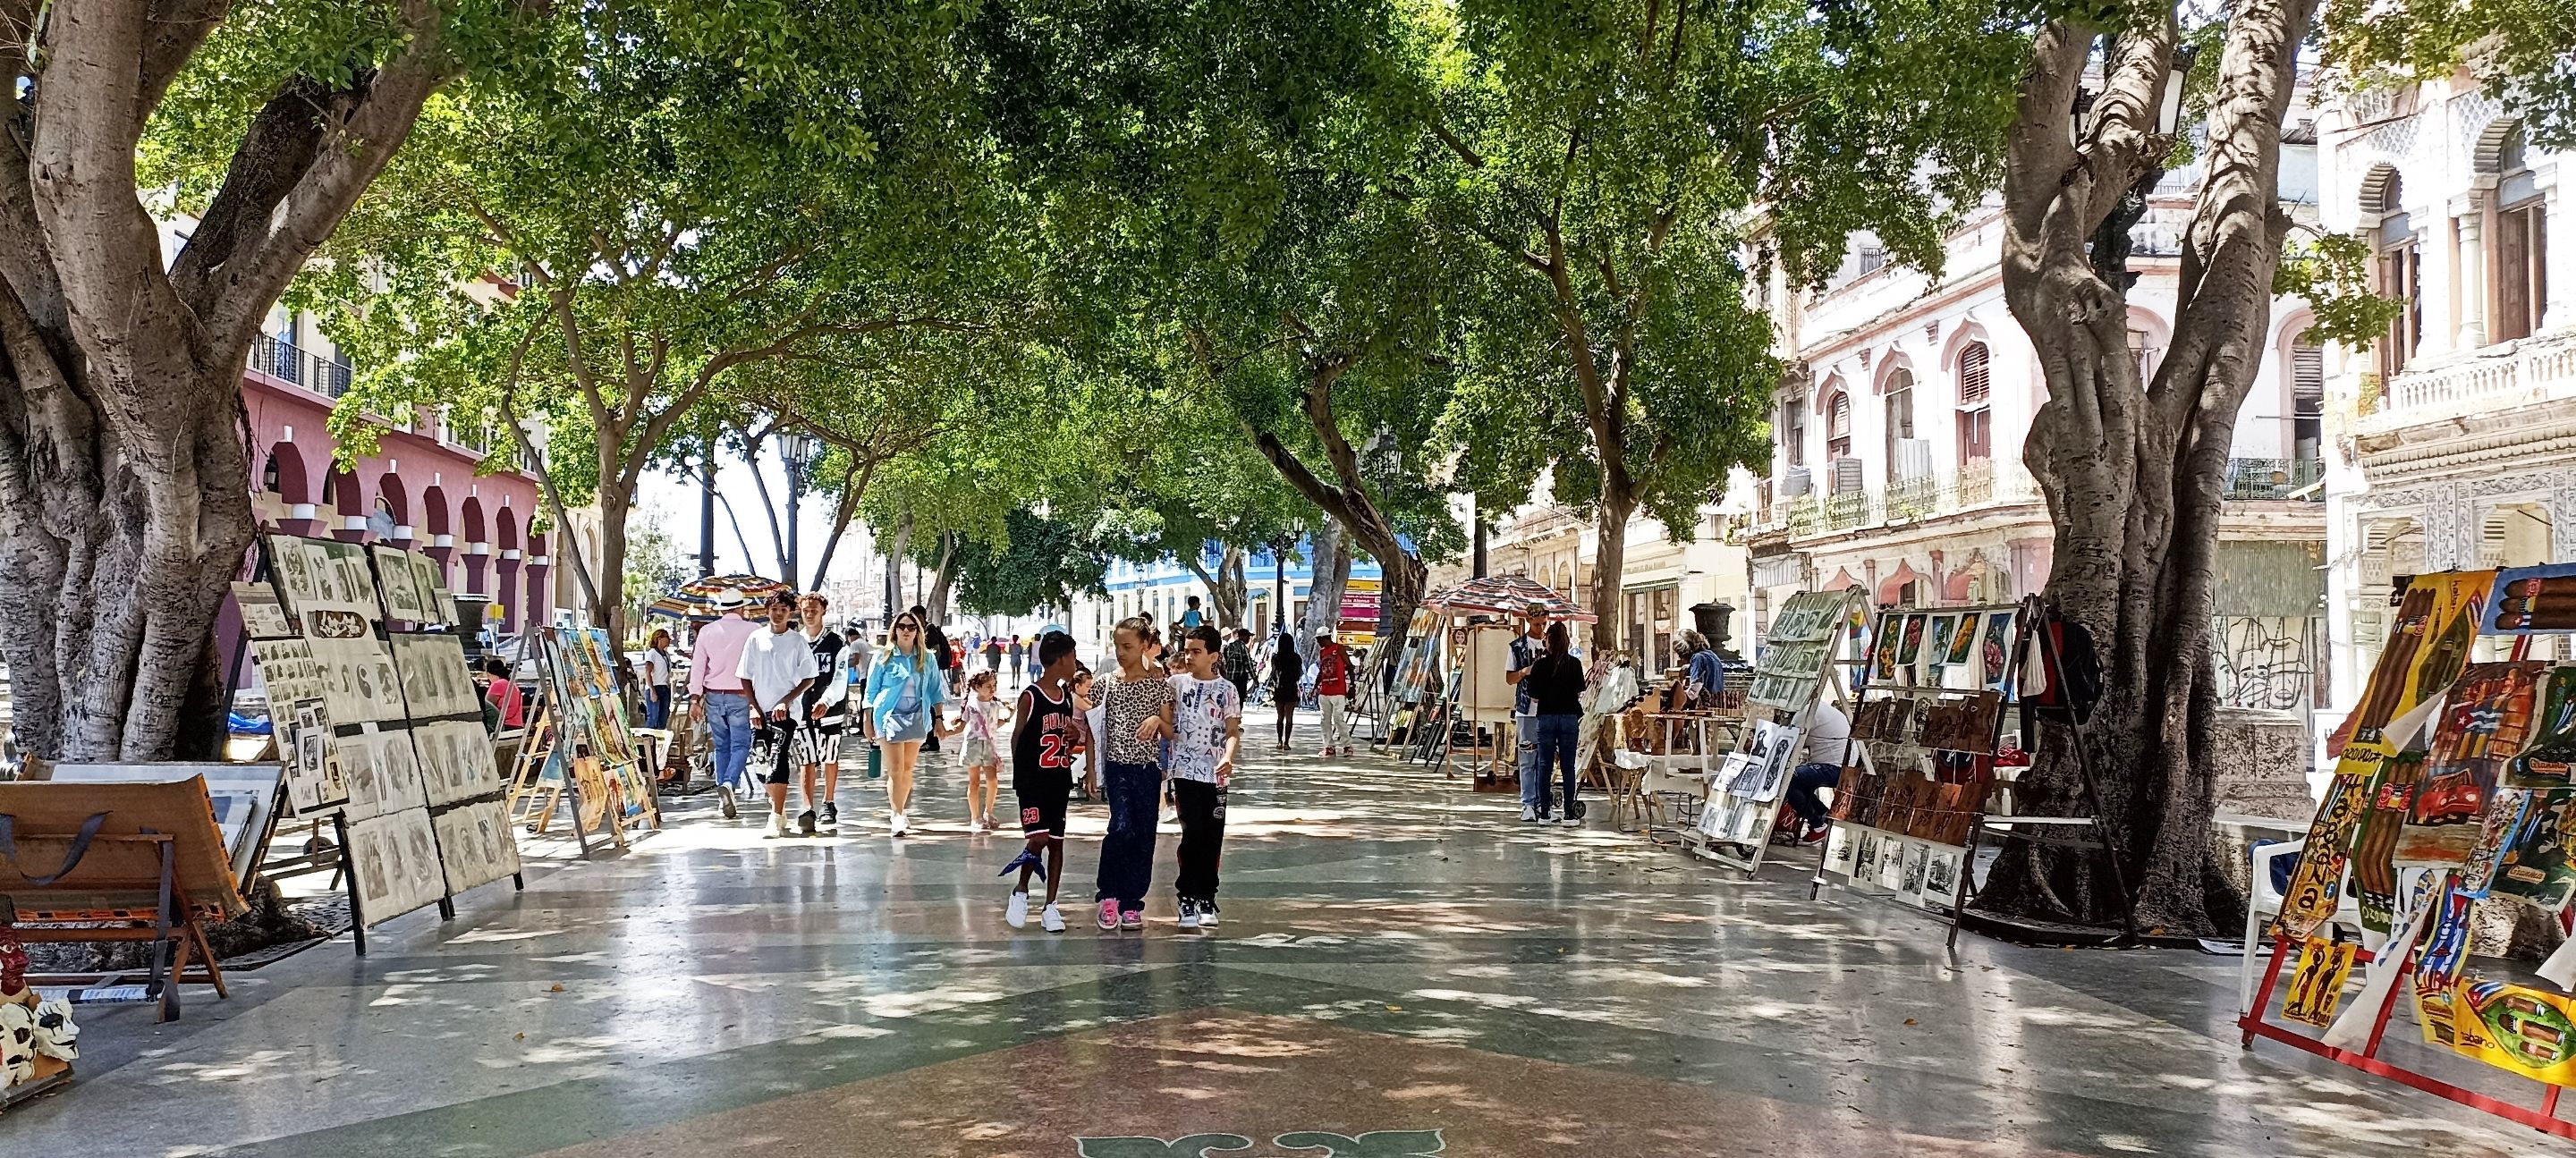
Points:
[(1896, 464), (2452, 440)]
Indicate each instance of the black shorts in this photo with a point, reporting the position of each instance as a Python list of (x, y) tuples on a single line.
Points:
[(1042, 803)]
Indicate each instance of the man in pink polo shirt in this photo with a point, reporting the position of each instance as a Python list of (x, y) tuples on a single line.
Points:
[(716, 693)]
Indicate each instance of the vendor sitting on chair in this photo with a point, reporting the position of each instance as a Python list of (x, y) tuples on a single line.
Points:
[(1828, 733)]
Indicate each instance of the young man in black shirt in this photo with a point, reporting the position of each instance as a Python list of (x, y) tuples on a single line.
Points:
[(1045, 731)]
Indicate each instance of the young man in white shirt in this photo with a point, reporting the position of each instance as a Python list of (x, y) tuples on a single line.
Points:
[(1207, 734), (776, 666)]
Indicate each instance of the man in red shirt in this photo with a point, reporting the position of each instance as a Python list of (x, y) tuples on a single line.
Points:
[(1332, 689)]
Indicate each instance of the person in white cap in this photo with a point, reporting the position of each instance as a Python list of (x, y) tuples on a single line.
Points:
[(716, 693)]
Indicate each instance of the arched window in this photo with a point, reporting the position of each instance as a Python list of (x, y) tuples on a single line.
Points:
[(2519, 269), (2399, 270), (1838, 425), (1900, 429), (1976, 410)]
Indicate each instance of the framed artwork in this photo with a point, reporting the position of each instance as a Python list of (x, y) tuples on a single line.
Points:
[(1918, 863), (475, 845), (1909, 650), (1944, 627), (395, 576), (1994, 651), (1838, 851), (294, 574), (263, 615), (1941, 877), (398, 867)]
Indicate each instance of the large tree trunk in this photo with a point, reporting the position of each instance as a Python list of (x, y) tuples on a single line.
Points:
[(1233, 590), (124, 481), (1609, 571), (944, 574), (1332, 571), (853, 484), (118, 534), (2132, 470)]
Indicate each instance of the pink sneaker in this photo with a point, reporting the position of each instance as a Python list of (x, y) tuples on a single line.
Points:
[(1132, 919), (1109, 913)]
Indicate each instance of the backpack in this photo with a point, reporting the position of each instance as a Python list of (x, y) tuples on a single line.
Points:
[(2071, 697)]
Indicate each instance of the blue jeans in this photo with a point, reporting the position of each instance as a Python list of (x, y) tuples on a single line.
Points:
[(657, 707), (1556, 740), (1533, 786), (1127, 853), (1803, 786), (729, 735)]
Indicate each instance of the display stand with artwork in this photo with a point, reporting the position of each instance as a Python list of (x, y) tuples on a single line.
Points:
[(120, 861), (2455, 782), (380, 725), (1927, 722), (1813, 633), (580, 751)]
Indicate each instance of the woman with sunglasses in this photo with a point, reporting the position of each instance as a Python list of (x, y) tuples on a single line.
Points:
[(905, 690)]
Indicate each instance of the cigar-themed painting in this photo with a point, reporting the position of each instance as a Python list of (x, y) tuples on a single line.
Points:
[(2532, 599)]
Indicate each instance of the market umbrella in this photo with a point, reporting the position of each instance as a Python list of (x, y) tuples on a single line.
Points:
[(695, 600), (1508, 595)]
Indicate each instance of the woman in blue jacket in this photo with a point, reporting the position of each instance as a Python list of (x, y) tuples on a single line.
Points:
[(904, 694)]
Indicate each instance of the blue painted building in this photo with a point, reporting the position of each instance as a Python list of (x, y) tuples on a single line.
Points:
[(1163, 588)]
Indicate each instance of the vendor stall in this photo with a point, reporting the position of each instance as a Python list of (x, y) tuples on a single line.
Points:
[(2455, 785), (1814, 634)]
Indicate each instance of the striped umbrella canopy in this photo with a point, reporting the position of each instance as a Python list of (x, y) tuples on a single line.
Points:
[(1512, 595), (695, 600)]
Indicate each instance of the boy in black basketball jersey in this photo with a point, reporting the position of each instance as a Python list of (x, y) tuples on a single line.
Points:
[(1042, 746)]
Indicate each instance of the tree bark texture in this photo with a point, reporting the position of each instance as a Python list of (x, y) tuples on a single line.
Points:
[(1345, 497), (2131, 468), (124, 477), (944, 574), (1332, 570), (1228, 592)]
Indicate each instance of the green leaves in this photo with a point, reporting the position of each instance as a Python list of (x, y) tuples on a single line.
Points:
[(2524, 51), (2332, 271)]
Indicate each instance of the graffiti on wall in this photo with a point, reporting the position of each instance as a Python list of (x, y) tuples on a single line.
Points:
[(2270, 661)]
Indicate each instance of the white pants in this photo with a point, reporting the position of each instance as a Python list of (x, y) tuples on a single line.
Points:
[(1337, 725)]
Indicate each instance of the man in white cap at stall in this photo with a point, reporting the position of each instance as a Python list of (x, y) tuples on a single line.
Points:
[(716, 693)]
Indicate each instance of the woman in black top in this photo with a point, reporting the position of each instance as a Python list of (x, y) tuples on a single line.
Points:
[(1556, 684), (1287, 669)]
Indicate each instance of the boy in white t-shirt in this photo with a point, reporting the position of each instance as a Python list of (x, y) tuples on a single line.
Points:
[(1207, 734)]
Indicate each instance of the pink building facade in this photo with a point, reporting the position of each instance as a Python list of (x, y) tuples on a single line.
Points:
[(419, 491)]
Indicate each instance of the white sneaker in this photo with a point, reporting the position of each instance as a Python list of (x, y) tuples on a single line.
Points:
[(777, 827), (1189, 914), (898, 824), (1207, 914), (1050, 920), (1529, 815), (1016, 914)]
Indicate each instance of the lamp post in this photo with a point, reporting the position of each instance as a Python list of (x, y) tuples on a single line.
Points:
[(796, 449)]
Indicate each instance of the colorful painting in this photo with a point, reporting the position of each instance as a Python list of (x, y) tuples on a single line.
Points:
[(2532, 855), (2425, 652), (2528, 1031), (1944, 628), (1962, 649), (2485, 722), (1909, 651), (1883, 651), (1994, 662), (2439, 959), (2374, 868), (2549, 760), (2532, 599), (2316, 986)]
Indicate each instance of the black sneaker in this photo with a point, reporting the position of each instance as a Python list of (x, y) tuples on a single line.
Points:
[(1189, 913), (831, 814), (805, 822)]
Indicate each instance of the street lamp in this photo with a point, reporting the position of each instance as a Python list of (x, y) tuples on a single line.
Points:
[(796, 448)]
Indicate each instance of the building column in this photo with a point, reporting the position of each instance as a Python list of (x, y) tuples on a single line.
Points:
[(440, 549), (349, 528), (2560, 256), (509, 596), (477, 555), (304, 520), (404, 538), (2472, 279), (540, 591)]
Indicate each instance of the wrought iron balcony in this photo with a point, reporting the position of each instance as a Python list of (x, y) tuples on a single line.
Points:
[(2275, 478), (280, 359)]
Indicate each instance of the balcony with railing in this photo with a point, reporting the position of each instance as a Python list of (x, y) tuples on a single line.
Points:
[(2494, 378), (1981, 484), (281, 359), (2275, 479)]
